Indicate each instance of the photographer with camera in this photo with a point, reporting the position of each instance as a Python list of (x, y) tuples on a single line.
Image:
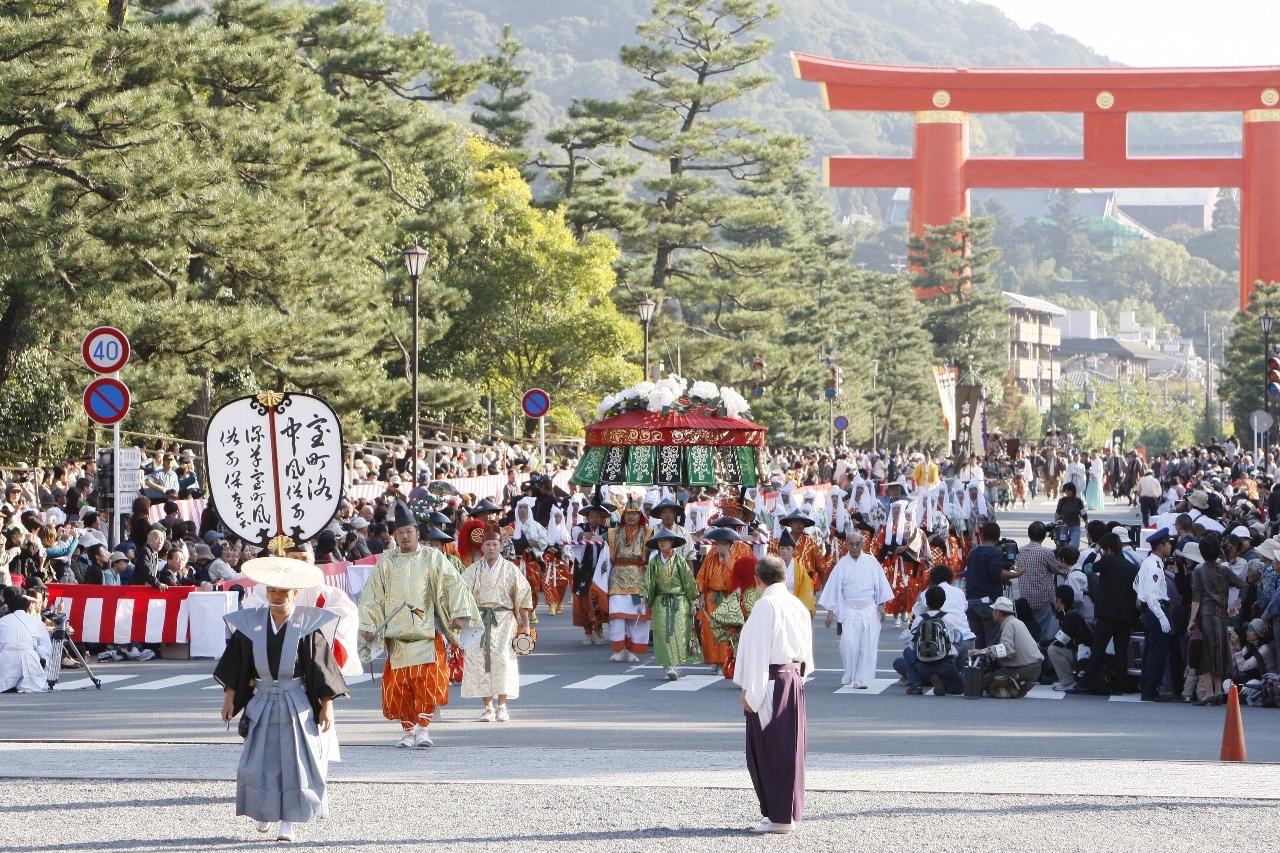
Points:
[(24, 648), (1014, 650), (985, 573), (1071, 512), (1115, 606), (1041, 573)]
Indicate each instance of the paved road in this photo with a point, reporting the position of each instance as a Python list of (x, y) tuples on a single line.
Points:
[(186, 816), (574, 697), (609, 757)]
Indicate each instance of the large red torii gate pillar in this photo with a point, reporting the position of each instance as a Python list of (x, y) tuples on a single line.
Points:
[(941, 172)]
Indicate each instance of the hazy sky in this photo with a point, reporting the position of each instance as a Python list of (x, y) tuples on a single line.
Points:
[(1162, 32)]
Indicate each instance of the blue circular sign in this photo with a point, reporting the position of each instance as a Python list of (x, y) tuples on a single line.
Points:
[(841, 423), (106, 401), (535, 403)]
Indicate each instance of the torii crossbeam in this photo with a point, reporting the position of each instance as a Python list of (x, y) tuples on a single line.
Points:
[(941, 172)]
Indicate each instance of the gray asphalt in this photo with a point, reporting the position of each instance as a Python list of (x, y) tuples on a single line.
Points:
[(45, 817), (634, 715)]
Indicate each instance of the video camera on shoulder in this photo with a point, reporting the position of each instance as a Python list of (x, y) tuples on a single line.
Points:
[(1060, 534), (1010, 549)]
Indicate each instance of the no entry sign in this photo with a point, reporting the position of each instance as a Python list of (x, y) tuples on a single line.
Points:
[(841, 423), (105, 350), (106, 401), (536, 403)]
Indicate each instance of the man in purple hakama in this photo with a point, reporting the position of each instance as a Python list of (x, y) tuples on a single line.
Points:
[(775, 650)]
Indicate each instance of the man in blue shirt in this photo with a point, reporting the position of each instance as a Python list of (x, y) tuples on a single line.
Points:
[(984, 577)]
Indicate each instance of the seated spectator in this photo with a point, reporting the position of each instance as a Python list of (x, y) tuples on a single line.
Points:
[(188, 482), (175, 571), (378, 538), (935, 635), (99, 565), (1071, 644), (955, 604), (1016, 653), (215, 569), (24, 648), (1254, 657)]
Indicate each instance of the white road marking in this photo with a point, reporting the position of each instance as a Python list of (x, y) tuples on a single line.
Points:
[(874, 688), (599, 682), (526, 680), (1128, 697), (173, 681), (690, 682), (82, 683)]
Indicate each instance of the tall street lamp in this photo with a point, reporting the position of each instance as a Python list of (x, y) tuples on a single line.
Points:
[(1267, 320), (415, 260), (646, 307)]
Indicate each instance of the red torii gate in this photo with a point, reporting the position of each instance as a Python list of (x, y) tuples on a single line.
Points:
[(941, 171)]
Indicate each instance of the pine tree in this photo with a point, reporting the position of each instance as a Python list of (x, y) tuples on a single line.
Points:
[(965, 314), (501, 118)]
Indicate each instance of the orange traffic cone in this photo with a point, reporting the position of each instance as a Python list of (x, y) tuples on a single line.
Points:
[(1233, 730)]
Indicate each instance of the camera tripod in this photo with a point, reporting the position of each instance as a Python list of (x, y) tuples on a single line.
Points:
[(60, 643)]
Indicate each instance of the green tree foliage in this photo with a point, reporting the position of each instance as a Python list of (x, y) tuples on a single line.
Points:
[(1242, 377), (501, 118), (964, 313), (232, 185), (1135, 405), (540, 314)]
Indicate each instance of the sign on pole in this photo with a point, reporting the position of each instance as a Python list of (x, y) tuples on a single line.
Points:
[(105, 350), (536, 403), (106, 401), (275, 467), (841, 423), (128, 477)]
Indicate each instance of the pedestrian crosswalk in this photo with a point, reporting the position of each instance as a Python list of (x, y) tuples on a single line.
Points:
[(693, 679), (173, 681)]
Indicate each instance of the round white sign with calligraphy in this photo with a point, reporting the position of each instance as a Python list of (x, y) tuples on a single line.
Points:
[(275, 466)]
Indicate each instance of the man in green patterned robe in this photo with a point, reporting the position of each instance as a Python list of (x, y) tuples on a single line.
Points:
[(670, 591)]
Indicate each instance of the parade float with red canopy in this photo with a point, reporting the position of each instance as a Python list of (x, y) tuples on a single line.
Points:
[(672, 434)]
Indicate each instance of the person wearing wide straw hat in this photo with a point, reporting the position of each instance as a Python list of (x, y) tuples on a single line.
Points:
[(808, 552), (505, 599), (279, 671), (411, 592), (669, 590), (715, 582), (669, 514)]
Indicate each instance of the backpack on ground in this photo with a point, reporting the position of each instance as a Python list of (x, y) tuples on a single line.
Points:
[(933, 640)]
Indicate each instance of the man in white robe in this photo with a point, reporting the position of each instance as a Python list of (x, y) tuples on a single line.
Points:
[(491, 669), (24, 644), (855, 595), (775, 650)]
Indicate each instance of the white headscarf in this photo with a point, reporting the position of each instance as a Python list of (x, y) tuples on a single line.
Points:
[(837, 510), (908, 517), (861, 496), (557, 532), (528, 525)]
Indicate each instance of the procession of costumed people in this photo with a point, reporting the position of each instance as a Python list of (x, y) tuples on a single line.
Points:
[(451, 600)]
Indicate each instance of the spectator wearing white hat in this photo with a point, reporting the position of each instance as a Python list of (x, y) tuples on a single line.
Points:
[(1016, 651)]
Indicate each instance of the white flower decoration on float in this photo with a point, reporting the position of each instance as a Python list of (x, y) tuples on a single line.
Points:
[(704, 390), (668, 392), (660, 398)]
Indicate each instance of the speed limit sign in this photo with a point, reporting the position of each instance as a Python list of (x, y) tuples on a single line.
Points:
[(105, 350)]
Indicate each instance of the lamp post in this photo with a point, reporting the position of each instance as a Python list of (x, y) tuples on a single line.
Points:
[(1267, 320), (415, 260), (645, 308)]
